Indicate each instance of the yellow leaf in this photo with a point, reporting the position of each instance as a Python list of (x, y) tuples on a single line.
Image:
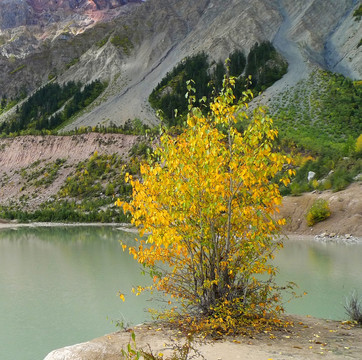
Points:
[(191, 121), (118, 203)]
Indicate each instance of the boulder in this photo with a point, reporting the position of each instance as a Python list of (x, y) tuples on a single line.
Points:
[(104, 348)]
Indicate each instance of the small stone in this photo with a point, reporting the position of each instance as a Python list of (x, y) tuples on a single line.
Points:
[(311, 175), (348, 236), (332, 235)]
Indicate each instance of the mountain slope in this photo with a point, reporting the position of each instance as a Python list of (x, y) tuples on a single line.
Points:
[(217, 32), (144, 42)]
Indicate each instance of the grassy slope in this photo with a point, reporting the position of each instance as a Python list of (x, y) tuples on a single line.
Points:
[(319, 119)]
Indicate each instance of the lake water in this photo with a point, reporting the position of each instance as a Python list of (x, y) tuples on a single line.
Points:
[(327, 272), (59, 286)]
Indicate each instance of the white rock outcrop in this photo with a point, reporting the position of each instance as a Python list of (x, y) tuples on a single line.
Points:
[(87, 350)]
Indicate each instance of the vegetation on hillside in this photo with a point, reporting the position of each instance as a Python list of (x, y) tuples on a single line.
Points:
[(358, 13), (169, 94), (87, 194), (6, 104), (38, 176), (130, 127), (263, 63), (265, 66), (122, 42), (51, 106), (318, 212), (320, 121), (207, 200), (321, 114)]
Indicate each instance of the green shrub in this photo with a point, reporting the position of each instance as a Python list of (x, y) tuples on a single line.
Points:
[(110, 189), (71, 63), (124, 42), (297, 189), (343, 175), (358, 13), (340, 181), (353, 308), (17, 69), (102, 42), (359, 144), (326, 185), (318, 212), (140, 149)]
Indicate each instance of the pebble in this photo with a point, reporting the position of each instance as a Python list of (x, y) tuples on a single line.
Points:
[(333, 237)]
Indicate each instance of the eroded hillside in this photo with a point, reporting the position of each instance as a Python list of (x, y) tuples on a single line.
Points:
[(35, 168), (136, 49)]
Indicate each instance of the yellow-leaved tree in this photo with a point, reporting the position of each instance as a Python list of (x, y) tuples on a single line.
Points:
[(207, 202)]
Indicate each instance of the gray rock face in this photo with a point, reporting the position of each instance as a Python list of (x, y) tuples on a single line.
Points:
[(342, 51), (14, 13)]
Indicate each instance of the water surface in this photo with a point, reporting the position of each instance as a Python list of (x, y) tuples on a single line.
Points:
[(328, 272), (59, 286)]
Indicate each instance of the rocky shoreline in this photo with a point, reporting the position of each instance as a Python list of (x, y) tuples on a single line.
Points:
[(347, 239)]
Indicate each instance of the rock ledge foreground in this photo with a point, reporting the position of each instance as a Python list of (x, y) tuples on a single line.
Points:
[(309, 338)]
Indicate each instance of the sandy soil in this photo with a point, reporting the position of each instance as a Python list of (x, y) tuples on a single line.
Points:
[(346, 212), (309, 338)]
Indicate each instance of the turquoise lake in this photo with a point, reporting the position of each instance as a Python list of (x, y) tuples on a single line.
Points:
[(60, 286)]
